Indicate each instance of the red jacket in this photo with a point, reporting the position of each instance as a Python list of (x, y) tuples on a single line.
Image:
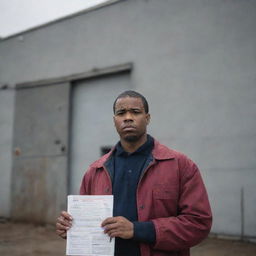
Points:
[(170, 193)]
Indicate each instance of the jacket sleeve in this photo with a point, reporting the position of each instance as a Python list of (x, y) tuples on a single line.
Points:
[(193, 221), (86, 183)]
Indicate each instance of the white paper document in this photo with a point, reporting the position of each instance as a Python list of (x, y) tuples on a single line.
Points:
[(86, 236)]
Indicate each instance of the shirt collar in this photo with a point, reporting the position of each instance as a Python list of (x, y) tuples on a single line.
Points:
[(159, 152), (145, 149)]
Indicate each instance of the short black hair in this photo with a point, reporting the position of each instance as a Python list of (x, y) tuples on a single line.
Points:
[(132, 94)]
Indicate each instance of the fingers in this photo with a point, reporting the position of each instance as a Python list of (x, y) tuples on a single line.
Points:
[(108, 221), (63, 223), (118, 227), (66, 215), (111, 228), (62, 234), (64, 219), (109, 225), (115, 233)]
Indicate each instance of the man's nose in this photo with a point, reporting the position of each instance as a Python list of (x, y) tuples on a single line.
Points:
[(128, 116)]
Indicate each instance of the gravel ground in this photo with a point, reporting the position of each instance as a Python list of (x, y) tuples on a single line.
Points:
[(19, 239)]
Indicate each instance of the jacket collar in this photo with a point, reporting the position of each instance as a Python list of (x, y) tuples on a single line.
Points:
[(159, 152), (100, 162)]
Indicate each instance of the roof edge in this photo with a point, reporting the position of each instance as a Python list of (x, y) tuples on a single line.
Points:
[(93, 8)]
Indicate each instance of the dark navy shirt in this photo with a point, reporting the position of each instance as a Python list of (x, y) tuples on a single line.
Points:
[(128, 168)]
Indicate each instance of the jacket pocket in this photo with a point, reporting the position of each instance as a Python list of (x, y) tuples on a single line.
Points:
[(163, 194), (162, 191), (165, 200)]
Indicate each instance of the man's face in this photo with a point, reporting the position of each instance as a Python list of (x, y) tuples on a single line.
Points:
[(130, 119)]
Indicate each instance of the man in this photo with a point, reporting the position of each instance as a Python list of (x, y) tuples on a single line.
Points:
[(161, 205)]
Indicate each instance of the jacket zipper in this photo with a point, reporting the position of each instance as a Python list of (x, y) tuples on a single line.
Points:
[(108, 175), (149, 166), (143, 173)]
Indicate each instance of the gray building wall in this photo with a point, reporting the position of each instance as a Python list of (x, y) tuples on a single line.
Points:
[(194, 60), (7, 97)]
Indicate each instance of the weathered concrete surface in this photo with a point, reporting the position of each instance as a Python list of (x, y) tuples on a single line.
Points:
[(28, 240), (41, 120), (39, 189), (39, 184)]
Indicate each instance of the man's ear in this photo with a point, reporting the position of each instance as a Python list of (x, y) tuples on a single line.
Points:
[(114, 120), (148, 118)]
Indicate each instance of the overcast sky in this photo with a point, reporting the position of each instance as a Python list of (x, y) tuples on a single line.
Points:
[(19, 15)]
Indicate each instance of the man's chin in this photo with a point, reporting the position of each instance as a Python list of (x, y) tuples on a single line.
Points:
[(131, 138)]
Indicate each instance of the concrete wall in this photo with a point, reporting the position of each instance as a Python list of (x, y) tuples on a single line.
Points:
[(7, 97), (195, 62)]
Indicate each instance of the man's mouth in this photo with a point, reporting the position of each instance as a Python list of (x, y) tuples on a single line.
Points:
[(129, 128)]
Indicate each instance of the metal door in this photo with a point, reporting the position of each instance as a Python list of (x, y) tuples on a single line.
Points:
[(92, 122)]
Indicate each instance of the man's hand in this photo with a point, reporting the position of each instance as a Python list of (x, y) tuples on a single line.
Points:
[(118, 227), (63, 223)]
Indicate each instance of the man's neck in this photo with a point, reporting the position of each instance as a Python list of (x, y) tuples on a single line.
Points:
[(131, 147)]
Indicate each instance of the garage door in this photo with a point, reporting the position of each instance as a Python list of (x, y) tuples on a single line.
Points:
[(92, 131)]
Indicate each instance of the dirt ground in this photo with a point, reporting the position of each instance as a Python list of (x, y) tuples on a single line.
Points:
[(18, 239)]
